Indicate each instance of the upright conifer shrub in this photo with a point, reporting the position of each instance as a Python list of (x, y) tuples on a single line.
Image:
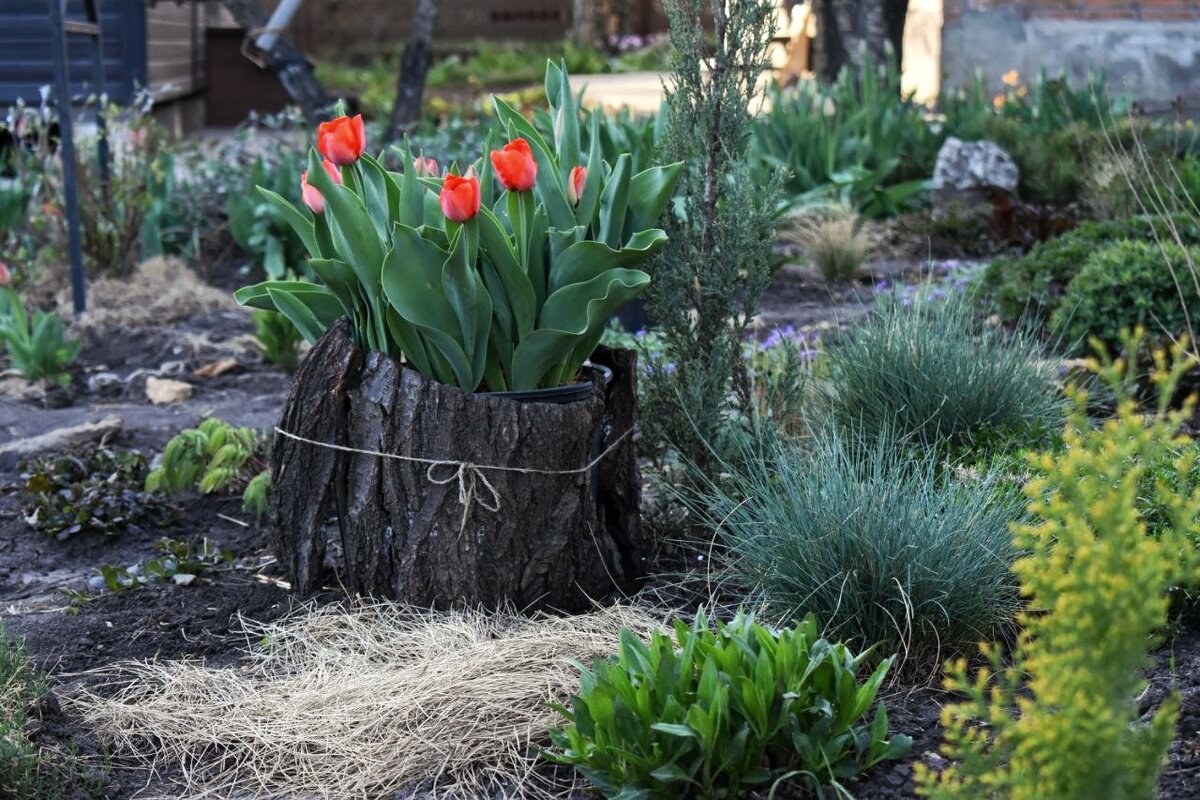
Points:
[(1060, 719), (707, 284)]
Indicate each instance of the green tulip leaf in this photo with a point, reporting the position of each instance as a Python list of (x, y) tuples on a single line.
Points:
[(649, 192), (585, 260), (302, 225), (573, 317), (614, 203)]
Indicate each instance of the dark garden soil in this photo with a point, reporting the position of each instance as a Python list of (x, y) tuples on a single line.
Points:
[(68, 635)]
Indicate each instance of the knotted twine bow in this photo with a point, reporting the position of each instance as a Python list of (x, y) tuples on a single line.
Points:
[(468, 475)]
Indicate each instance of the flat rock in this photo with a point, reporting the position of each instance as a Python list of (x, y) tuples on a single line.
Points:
[(164, 391)]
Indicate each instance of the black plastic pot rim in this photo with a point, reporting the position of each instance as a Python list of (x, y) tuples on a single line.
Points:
[(561, 395)]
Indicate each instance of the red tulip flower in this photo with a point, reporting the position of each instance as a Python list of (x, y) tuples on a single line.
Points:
[(5, 275), (342, 140), (309, 194), (460, 197), (515, 166), (426, 167), (576, 184)]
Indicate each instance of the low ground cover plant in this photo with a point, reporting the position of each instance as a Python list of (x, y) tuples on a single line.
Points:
[(97, 489), (711, 713), (929, 373), (875, 539), (180, 562), (835, 244), (1059, 717)]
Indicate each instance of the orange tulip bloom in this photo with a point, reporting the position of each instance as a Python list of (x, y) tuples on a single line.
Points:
[(576, 184), (309, 194), (342, 140), (460, 197), (515, 166)]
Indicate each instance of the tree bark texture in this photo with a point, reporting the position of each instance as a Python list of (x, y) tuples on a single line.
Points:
[(552, 541), (414, 67), (851, 31)]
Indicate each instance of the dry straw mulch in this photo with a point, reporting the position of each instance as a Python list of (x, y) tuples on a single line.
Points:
[(361, 702)]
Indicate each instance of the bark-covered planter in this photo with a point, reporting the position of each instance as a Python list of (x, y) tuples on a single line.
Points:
[(554, 536)]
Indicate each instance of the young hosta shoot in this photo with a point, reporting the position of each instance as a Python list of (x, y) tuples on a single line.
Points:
[(500, 276), (38, 348), (719, 713), (213, 457), (1060, 718)]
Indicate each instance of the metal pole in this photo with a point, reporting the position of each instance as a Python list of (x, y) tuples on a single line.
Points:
[(93, 13), (66, 152)]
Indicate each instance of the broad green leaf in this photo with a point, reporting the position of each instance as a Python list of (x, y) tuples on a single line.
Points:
[(585, 260), (649, 192), (614, 204), (518, 298), (572, 317), (302, 225)]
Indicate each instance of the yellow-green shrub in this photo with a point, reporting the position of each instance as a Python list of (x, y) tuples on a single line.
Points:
[(1059, 719)]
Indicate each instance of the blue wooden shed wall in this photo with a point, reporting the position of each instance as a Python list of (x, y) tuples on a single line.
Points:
[(25, 56)]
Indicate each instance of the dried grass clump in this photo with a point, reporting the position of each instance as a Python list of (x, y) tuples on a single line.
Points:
[(160, 291), (362, 702), (836, 244)]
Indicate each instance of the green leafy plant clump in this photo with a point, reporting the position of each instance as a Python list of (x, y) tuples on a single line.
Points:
[(211, 458), (277, 337), (928, 373), (96, 490), (718, 713), (1131, 284), (876, 539), (1059, 717), (38, 348), (1032, 287)]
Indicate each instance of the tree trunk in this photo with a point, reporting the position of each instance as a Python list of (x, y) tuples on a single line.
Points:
[(414, 66), (583, 21), (851, 32), (555, 536)]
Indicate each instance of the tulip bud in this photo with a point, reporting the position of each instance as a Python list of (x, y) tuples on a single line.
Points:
[(426, 167), (575, 184), (459, 197), (5, 275), (309, 194), (515, 166), (342, 140)]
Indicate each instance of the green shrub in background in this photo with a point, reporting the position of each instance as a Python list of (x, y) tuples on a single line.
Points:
[(1059, 717), (872, 538), (927, 373), (1129, 284), (720, 713), (859, 141), (259, 227), (1032, 286)]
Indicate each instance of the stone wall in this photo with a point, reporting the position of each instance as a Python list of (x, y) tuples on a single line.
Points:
[(1149, 49)]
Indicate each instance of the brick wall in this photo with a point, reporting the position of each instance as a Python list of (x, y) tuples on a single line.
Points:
[(1149, 49), (1081, 9)]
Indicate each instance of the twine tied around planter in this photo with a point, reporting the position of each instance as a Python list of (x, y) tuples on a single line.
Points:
[(468, 475)]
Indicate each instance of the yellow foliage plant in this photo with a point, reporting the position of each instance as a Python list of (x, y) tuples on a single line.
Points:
[(1058, 719)]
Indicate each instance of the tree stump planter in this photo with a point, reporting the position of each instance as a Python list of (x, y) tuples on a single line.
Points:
[(511, 515)]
